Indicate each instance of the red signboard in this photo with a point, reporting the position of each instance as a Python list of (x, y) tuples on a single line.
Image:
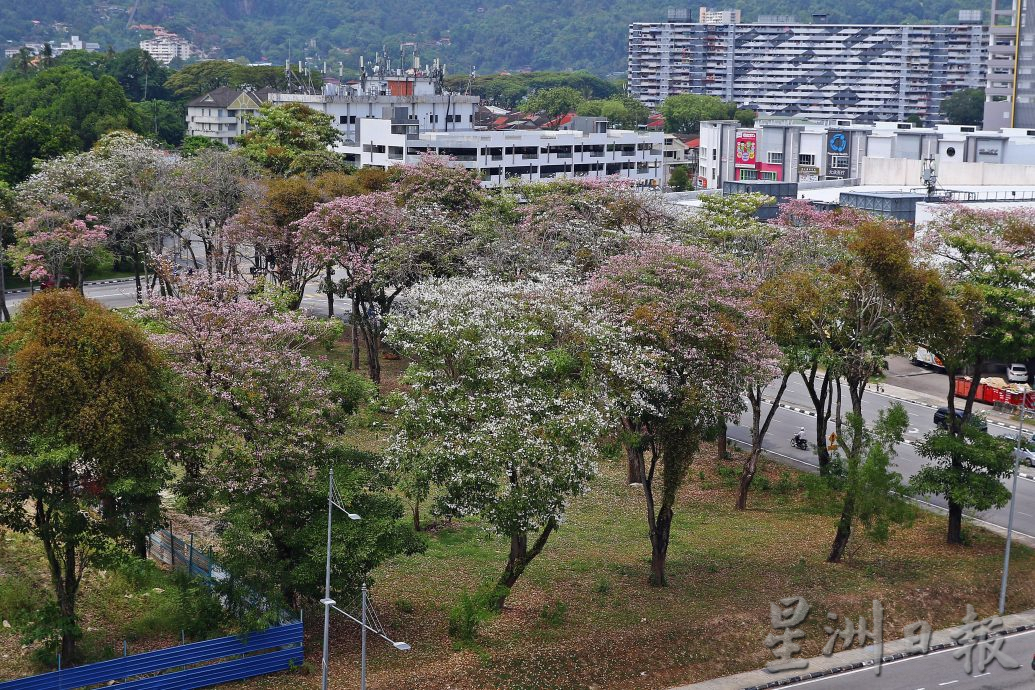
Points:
[(746, 149)]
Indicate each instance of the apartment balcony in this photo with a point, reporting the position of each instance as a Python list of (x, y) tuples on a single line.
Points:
[(213, 120)]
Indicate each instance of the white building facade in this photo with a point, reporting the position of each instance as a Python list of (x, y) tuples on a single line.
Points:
[(799, 150), (167, 47), (590, 150)]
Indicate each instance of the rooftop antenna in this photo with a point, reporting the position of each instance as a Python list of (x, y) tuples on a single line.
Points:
[(929, 176)]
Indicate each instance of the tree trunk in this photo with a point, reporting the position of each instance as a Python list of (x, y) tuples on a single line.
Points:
[(633, 452), (355, 333), (374, 354), (416, 516), (821, 400), (519, 558), (759, 429), (136, 275), (659, 546), (4, 314), (955, 533), (721, 441), (746, 477), (330, 293), (844, 530)]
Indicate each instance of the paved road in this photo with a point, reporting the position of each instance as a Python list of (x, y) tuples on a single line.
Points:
[(940, 671), (124, 295), (788, 421)]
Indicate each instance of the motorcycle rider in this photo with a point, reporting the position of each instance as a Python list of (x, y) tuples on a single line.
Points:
[(799, 438)]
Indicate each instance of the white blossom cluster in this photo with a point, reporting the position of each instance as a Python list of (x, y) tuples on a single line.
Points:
[(511, 389)]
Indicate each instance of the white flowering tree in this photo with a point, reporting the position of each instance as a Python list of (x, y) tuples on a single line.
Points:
[(505, 403)]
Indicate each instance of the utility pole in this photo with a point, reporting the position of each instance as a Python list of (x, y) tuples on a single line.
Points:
[(1013, 504)]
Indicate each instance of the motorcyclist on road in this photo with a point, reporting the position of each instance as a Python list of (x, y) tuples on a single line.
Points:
[(799, 438)]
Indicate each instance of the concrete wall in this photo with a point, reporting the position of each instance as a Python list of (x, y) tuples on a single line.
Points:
[(900, 171)]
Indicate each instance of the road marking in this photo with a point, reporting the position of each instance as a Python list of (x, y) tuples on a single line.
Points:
[(1021, 512), (899, 661), (986, 673), (949, 682)]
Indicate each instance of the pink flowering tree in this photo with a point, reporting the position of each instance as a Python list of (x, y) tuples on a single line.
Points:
[(346, 232), (383, 249), (50, 246), (697, 311), (441, 182), (260, 427)]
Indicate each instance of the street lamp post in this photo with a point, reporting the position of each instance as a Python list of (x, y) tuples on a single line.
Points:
[(333, 501), (1013, 504)]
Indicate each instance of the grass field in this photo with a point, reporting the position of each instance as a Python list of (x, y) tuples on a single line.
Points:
[(584, 617)]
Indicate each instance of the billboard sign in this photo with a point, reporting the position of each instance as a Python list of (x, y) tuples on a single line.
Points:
[(746, 148), (839, 155)]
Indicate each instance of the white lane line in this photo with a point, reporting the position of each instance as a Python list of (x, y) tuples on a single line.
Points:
[(899, 661), (986, 673), (1021, 512), (949, 682)]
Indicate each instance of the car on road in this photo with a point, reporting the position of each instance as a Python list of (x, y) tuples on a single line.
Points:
[(1017, 373), (942, 412), (1027, 452)]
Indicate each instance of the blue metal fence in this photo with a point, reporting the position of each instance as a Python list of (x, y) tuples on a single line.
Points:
[(224, 659)]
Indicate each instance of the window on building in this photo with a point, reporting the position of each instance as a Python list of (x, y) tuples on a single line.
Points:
[(839, 161), (715, 154), (747, 174), (767, 175), (343, 119), (806, 159), (775, 157)]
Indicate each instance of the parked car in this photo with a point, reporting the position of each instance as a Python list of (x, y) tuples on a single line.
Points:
[(1017, 373), (943, 412)]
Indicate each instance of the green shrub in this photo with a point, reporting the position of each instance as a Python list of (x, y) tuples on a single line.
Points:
[(553, 614), (404, 605), (19, 597), (602, 586), (474, 609)]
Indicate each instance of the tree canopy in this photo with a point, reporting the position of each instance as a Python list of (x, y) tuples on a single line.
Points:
[(965, 107)]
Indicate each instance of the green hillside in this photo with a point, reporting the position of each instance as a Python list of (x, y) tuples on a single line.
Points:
[(490, 34)]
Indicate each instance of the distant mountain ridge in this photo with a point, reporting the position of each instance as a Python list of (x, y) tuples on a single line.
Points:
[(490, 35)]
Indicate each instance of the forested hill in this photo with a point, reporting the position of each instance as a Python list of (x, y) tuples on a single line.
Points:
[(491, 34)]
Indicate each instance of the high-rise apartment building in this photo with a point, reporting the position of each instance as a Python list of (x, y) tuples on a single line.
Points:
[(863, 73), (1010, 92)]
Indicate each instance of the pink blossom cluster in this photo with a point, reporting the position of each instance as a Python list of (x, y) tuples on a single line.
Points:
[(342, 232), (695, 308), (48, 241), (257, 396)]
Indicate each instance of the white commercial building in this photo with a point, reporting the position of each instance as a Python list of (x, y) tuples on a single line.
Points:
[(798, 150)]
